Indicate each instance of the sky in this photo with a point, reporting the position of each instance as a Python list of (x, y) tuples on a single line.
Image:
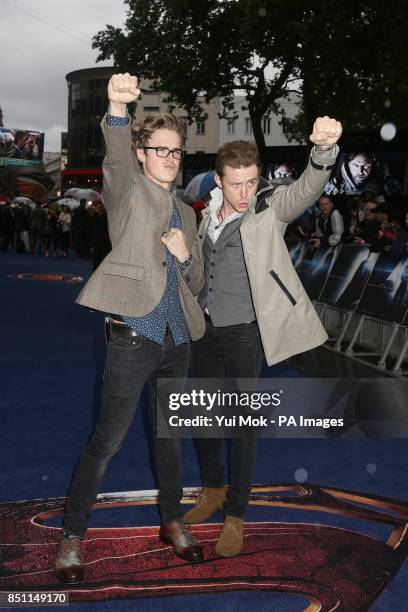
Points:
[(41, 42)]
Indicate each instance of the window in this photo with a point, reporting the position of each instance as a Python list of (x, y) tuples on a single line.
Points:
[(98, 105), (151, 109), (200, 128), (230, 126), (248, 125), (83, 108), (266, 125)]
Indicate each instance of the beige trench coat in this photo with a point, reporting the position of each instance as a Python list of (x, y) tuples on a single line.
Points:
[(287, 320)]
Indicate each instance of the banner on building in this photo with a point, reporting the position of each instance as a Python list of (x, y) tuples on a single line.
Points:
[(20, 146)]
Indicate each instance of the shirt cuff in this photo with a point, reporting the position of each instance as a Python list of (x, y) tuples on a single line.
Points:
[(328, 152), (184, 265), (324, 159), (113, 121)]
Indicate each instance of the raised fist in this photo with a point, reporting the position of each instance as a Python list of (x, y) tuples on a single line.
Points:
[(175, 241), (122, 88), (326, 131)]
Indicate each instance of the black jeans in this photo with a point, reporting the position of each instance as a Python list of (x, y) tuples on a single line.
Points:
[(234, 351), (130, 363)]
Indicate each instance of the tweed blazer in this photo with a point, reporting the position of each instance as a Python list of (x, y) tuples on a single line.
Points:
[(132, 278)]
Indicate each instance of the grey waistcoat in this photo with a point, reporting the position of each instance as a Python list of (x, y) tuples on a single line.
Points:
[(226, 292)]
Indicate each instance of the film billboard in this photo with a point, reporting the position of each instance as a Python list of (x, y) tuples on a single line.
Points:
[(19, 146)]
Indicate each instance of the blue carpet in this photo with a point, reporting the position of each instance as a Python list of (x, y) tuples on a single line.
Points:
[(51, 361)]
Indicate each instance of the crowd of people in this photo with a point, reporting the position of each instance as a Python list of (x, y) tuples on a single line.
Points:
[(360, 219), (53, 230)]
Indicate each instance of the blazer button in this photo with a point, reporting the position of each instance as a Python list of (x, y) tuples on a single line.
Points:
[(213, 264), (214, 251), (200, 236), (164, 264), (210, 290), (211, 275)]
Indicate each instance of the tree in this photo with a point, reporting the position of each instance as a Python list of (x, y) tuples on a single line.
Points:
[(205, 48), (336, 56), (352, 64)]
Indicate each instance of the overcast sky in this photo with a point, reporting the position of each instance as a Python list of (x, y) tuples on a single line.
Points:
[(36, 56)]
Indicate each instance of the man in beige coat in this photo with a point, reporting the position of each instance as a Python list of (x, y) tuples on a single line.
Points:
[(147, 285), (253, 301)]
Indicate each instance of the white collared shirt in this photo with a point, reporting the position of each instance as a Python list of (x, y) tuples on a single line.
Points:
[(215, 227)]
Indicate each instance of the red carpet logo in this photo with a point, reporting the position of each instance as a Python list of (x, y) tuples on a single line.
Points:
[(334, 568), (69, 279)]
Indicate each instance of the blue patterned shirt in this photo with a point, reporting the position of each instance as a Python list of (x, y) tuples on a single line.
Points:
[(168, 311)]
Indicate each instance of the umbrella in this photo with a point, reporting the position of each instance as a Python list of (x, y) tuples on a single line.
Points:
[(200, 184), (83, 194), (70, 202), (23, 200)]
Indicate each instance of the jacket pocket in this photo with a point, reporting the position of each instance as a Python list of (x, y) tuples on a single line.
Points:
[(114, 268), (283, 287)]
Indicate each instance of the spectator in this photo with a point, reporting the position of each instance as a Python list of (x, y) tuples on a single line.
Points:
[(81, 230), (366, 231), (65, 224), (351, 216), (400, 246), (38, 219), (329, 225), (368, 195), (49, 233), (6, 227), (387, 233), (21, 229)]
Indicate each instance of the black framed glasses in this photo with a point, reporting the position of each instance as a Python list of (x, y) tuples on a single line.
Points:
[(165, 152)]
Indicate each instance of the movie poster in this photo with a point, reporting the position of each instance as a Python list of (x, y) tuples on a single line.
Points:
[(297, 249), (19, 145), (386, 293), (314, 272), (349, 276)]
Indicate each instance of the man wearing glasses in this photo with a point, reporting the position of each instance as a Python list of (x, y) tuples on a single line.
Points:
[(147, 285)]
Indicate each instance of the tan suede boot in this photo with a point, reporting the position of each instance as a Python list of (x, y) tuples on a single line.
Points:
[(231, 540), (209, 500)]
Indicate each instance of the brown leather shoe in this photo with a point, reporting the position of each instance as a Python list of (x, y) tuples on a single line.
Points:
[(177, 534), (208, 501), (231, 540), (68, 564)]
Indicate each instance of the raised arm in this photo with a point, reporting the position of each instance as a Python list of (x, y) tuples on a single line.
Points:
[(290, 201), (119, 163)]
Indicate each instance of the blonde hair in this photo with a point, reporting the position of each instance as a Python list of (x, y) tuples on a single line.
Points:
[(143, 130)]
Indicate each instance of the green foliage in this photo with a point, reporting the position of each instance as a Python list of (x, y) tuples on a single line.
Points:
[(345, 59)]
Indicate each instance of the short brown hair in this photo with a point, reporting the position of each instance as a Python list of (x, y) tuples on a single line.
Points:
[(142, 131), (237, 154)]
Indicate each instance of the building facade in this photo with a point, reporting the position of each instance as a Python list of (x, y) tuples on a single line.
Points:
[(52, 163), (202, 136), (87, 104), (241, 128)]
